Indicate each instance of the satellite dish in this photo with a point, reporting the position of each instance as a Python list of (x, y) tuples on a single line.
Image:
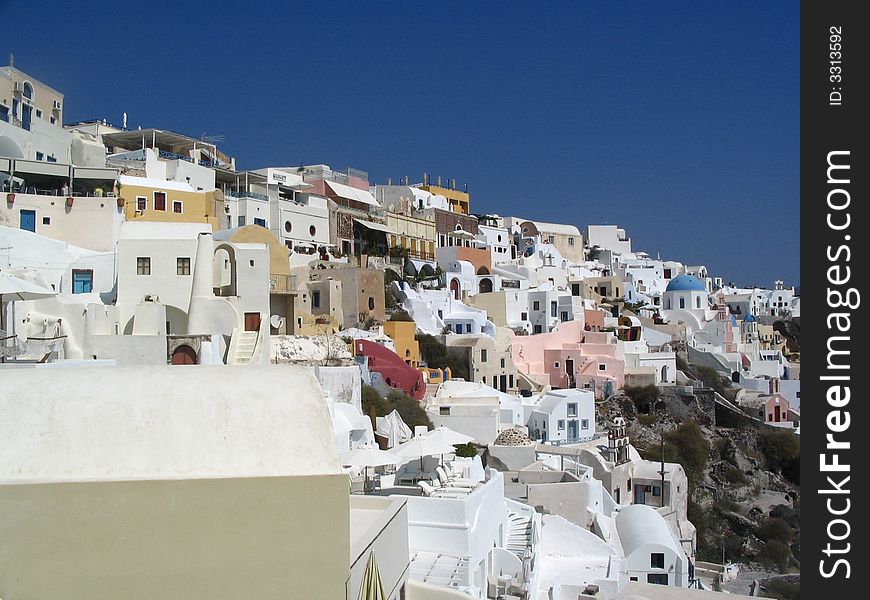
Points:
[(276, 321)]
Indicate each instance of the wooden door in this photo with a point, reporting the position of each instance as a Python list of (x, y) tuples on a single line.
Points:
[(184, 355), (252, 321)]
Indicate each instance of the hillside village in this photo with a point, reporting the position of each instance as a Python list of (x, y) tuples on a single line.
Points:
[(389, 394)]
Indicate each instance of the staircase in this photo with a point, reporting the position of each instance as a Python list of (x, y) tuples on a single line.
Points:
[(519, 534), (246, 343)]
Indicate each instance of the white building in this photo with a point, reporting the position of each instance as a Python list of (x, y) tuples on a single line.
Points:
[(212, 471), (652, 555), (562, 416), (475, 409), (608, 237), (433, 310)]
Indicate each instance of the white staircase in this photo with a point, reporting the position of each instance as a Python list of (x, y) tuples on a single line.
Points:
[(246, 343), (519, 534)]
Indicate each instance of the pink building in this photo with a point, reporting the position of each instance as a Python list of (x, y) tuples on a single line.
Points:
[(392, 368), (570, 357)]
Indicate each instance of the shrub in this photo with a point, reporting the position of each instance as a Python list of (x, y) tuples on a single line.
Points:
[(372, 400), (411, 411), (466, 450), (647, 420), (779, 448), (437, 356), (401, 315), (782, 589), (690, 449), (775, 554), (736, 477), (775, 530), (713, 379), (644, 397)]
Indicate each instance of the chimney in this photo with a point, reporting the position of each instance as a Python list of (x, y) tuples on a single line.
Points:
[(389, 181), (466, 188), (453, 183), (425, 179), (439, 181), (405, 180)]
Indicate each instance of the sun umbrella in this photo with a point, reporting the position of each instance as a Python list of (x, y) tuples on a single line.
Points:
[(422, 446), (371, 587), (368, 456), (445, 435), (14, 288)]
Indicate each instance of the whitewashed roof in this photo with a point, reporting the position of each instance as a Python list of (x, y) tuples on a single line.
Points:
[(159, 184), (639, 525), (163, 422)]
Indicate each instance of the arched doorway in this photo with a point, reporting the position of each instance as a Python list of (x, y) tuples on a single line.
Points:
[(483, 270), (485, 286), (665, 374), (454, 288), (184, 355)]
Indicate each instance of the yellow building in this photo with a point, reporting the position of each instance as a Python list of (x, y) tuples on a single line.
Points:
[(459, 200), (402, 333), (415, 234), (168, 202)]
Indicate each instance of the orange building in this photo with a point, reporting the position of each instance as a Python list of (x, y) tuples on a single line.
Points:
[(403, 335)]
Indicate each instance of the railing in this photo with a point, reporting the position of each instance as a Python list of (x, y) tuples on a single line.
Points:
[(282, 283), (173, 156), (254, 195)]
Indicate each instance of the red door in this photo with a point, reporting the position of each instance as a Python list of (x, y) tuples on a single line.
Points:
[(184, 355), (252, 321)]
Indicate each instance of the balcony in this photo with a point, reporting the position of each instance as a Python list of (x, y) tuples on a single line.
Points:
[(253, 195), (282, 284)]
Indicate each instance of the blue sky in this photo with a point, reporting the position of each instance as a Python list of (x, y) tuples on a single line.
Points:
[(678, 121)]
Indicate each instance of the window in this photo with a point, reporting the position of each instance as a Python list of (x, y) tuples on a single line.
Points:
[(536, 305), (657, 560), (656, 490), (4, 113), (241, 220), (556, 365), (511, 381), (483, 355), (444, 411), (40, 156), (537, 329), (182, 266), (143, 265), (682, 303), (602, 367), (697, 302), (52, 120), (570, 241), (312, 230), (524, 316), (553, 309), (315, 299), (288, 226), (458, 328), (584, 424), (141, 203), (657, 578), (38, 114), (159, 201), (572, 409), (83, 281), (177, 206), (371, 303), (561, 424), (47, 221), (564, 316), (260, 222), (502, 363)]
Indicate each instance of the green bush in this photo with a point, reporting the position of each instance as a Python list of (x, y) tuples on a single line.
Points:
[(775, 530), (436, 356), (372, 400), (689, 448), (401, 314), (644, 397), (775, 554), (713, 379), (779, 448), (411, 411), (467, 450), (736, 477), (781, 589), (647, 420)]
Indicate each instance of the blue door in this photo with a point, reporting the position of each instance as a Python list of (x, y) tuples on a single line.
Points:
[(572, 430), (640, 494), (28, 220)]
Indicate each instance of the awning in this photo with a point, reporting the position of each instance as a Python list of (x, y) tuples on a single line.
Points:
[(349, 193), (35, 167), (4, 165), (94, 173), (375, 226)]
